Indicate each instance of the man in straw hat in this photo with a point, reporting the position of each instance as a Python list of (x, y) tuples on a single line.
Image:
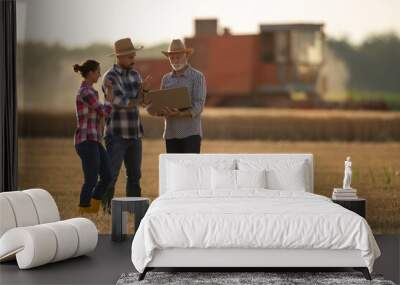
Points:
[(124, 128), (183, 131)]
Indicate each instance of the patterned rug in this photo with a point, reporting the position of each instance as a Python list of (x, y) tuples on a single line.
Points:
[(243, 278)]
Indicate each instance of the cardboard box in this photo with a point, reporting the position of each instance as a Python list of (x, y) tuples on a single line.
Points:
[(178, 98)]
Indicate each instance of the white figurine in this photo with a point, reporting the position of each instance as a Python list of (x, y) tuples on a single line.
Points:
[(347, 174)]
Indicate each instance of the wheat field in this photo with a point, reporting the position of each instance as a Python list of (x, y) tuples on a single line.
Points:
[(245, 124), (52, 164)]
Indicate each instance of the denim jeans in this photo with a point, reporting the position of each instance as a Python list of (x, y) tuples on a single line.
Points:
[(128, 151), (95, 163)]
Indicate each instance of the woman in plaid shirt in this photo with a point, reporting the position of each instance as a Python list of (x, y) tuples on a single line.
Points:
[(90, 113)]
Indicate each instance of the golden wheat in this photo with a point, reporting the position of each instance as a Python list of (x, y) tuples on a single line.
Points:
[(53, 165)]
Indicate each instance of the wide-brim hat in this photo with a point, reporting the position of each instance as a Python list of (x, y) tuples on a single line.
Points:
[(125, 47), (177, 46)]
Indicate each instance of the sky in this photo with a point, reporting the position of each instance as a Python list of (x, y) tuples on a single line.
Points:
[(150, 22)]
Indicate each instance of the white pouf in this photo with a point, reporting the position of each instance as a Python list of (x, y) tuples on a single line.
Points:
[(34, 245), (46, 207), (67, 240), (87, 232), (23, 208), (31, 232), (7, 220)]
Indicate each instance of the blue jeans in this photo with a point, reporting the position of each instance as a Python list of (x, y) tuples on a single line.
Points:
[(128, 151), (95, 163)]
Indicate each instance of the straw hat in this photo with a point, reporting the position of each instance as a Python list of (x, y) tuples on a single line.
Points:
[(125, 47), (177, 46)]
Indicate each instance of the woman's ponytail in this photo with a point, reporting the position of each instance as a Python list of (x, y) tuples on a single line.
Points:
[(77, 67), (86, 67)]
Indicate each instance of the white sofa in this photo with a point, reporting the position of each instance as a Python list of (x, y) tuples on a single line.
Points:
[(31, 231)]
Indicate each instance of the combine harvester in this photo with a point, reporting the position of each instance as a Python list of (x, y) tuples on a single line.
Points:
[(264, 69)]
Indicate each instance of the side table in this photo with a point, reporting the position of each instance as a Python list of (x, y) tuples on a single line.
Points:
[(119, 208), (356, 205)]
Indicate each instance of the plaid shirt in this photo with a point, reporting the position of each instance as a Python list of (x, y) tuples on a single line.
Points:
[(88, 114), (126, 84)]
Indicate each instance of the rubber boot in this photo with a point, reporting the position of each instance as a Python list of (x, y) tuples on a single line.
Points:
[(85, 210), (94, 205)]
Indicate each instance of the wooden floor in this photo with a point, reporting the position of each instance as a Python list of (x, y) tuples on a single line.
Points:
[(110, 260)]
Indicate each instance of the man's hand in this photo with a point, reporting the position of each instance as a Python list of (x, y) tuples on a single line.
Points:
[(146, 83), (152, 113), (109, 95), (146, 100), (170, 112)]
